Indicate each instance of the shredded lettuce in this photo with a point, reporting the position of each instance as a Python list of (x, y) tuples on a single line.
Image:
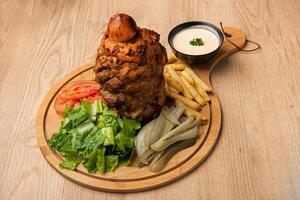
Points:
[(69, 164), (111, 162), (95, 135)]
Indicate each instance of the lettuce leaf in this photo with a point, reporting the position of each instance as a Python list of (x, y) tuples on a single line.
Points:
[(69, 164), (96, 136), (108, 135), (124, 143), (93, 140), (90, 161), (111, 163), (100, 163), (130, 127)]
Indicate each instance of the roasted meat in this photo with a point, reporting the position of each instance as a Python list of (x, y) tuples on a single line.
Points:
[(129, 67)]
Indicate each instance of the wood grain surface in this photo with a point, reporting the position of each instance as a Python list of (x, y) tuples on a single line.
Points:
[(258, 154)]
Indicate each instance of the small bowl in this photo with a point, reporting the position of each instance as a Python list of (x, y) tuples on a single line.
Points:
[(201, 58)]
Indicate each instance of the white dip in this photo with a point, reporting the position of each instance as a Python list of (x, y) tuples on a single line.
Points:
[(181, 41)]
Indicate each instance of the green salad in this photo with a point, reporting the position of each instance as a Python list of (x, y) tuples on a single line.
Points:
[(95, 135)]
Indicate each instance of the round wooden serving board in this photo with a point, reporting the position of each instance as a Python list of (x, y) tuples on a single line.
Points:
[(132, 179)]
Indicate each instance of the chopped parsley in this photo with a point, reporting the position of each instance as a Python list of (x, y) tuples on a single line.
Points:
[(197, 42)]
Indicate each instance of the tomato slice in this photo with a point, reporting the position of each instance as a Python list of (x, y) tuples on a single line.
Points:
[(75, 91), (79, 94), (74, 86), (59, 104)]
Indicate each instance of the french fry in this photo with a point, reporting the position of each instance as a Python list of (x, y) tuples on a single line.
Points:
[(197, 79), (166, 75), (174, 75), (179, 103), (203, 93), (188, 77), (171, 89), (177, 67), (166, 88), (175, 84), (204, 120), (188, 102), (171, 59), (165, 70), (188, 111), (193, 91)]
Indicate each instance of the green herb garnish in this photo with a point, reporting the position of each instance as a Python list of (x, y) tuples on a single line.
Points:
[(96, 136), (197, 42)]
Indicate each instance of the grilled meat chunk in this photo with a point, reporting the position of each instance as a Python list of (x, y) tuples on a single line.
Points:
[(129, 67)]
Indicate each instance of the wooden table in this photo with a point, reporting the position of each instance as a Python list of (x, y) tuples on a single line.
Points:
[(258, 154)]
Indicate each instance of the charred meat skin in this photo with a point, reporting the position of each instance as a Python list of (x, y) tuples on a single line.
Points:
[(129, 67)]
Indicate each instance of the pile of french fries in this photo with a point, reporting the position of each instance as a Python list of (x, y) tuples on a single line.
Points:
[(185, 87)]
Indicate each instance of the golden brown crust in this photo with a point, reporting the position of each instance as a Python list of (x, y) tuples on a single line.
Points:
[(121, 28), (133, 51), (131, 74)]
